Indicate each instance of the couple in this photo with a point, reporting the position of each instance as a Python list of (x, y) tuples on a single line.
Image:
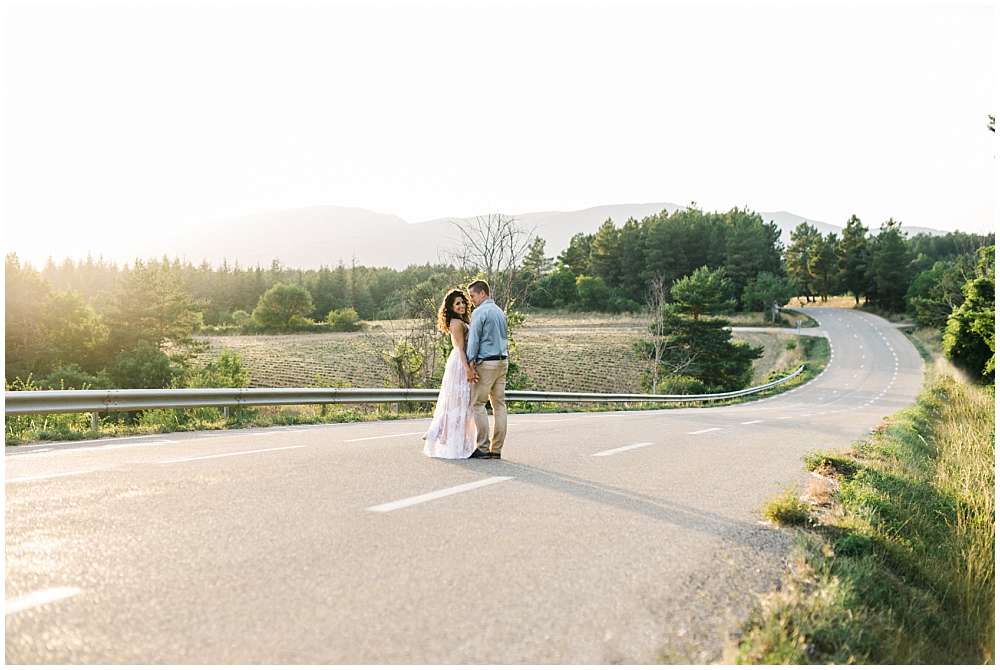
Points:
[(475, 370)]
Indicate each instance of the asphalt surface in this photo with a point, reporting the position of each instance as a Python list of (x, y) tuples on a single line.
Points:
[(600, 538)]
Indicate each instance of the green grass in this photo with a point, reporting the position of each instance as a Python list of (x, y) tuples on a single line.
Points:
[(900, 568), (72, 427), (788, 510)]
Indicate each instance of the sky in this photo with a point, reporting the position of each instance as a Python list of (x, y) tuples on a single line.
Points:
[(123, 120)]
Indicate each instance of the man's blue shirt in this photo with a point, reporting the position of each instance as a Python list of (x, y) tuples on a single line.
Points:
[(487, 332)]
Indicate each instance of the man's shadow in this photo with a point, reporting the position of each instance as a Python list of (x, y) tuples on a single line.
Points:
[(676, 514)]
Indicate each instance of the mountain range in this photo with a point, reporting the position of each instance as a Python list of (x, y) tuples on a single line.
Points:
[(326, 235)]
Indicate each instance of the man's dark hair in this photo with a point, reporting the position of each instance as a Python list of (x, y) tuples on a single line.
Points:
[(480, 286)]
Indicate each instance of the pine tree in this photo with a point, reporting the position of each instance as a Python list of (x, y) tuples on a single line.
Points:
[(823, 265), (889, 268), (853, 257), (605, 253), (576, 256), (797, 258)]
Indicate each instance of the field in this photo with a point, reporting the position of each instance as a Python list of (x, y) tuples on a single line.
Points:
[(558, 352)]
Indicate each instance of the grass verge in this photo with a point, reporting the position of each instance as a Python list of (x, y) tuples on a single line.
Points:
[(897, 565)]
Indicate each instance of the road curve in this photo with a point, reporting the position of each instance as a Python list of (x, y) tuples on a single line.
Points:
[(601, 538)]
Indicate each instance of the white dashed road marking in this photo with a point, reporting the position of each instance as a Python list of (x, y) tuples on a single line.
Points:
[(35, 478), (707, 430), (39, 598), (621, 449), (232, 453), (434, 495), (381, 437)]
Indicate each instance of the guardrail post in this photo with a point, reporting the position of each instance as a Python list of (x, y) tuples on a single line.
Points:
[(93, 421), (225, 412)]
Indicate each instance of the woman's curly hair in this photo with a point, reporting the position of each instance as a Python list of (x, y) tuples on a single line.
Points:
[(447, 311)]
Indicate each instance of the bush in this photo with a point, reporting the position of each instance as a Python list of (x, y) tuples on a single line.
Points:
[(592, 293), (240, 318), (766, 289), (787, 510), (72, 376), (680, 385), (144, 367), (282, 307), (226, 371), (344, 320), (619, 303)]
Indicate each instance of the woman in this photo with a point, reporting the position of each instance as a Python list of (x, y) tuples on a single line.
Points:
[(453, 429)]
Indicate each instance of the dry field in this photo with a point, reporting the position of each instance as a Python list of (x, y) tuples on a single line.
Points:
[(580, 352)]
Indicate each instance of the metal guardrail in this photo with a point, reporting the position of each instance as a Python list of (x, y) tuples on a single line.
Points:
[(127, 400)]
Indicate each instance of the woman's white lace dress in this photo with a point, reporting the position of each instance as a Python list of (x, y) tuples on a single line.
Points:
[(453, 429)]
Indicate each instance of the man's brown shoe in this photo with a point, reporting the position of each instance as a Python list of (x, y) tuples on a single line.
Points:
[(495, 454), (479, 453)]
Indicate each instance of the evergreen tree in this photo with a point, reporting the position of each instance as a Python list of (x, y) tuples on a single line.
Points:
[(633, 262), (889, 275), (536, 263), (151, 305), (803, 238), (605, 254), (703, 292), (703, 349), (576, 256), (663, 249), (767, 289), (822, 265), (853, 258), (752, 247)]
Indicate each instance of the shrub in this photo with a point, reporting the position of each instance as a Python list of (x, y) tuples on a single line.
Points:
[(283, 306), (592, 293), (344, 320), (72, 376), (787, 510), (680, 385), (226, 371), (144, 367)]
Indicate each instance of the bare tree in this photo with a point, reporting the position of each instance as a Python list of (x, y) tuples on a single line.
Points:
[(656, 300), (495, 245), (410, 348), (676, 354)]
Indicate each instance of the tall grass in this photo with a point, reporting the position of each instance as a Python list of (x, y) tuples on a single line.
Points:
[(900, 568)]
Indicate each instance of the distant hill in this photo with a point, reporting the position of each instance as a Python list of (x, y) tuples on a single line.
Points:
[(325, 235)]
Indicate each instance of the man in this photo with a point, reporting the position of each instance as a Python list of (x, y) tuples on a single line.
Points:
[(486, 350)]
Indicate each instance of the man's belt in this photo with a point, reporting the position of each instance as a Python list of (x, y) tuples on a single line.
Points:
[(493, 358)]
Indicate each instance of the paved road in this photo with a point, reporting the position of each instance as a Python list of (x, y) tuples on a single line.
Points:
[(602, 538)]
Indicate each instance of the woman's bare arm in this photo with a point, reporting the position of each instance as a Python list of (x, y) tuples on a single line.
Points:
[(458, 340)]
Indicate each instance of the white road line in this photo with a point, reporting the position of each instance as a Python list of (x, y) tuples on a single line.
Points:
[(232, 453), (381, 437), (36, 478), (747, 423), (621, 449), (707, 430), (39, 598), (434, 495), (119, 446)]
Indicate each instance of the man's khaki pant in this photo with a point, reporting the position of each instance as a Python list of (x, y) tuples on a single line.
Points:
[(491, 385)]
